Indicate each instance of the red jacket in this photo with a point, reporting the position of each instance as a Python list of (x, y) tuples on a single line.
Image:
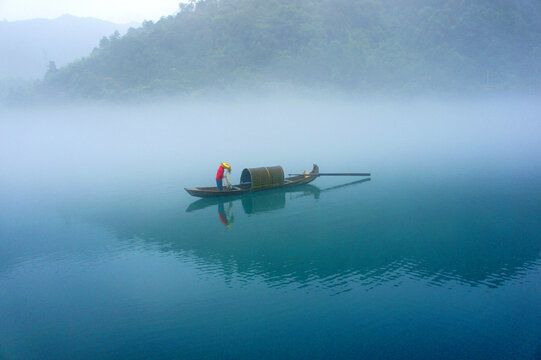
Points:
[(220, 173), (222, 218)]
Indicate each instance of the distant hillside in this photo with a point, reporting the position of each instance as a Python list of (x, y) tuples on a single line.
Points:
[(359, 45), (28, 45)]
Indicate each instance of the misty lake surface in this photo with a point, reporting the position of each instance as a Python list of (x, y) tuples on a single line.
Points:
[(103, 255)]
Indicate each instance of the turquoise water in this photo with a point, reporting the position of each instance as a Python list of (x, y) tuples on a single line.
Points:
[(437, 255)]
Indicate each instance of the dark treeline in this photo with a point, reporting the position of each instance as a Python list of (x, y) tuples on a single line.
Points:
[(354, 45)]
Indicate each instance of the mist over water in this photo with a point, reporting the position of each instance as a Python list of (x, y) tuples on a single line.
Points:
[(437, 255), (186, 139)]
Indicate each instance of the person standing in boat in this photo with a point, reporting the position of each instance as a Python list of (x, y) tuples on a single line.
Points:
[(223, 171)]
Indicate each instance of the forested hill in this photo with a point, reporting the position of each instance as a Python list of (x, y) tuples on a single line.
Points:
[(27, 46), (360, 45)]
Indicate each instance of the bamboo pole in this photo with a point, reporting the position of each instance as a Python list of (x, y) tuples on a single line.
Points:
[(333, 174)]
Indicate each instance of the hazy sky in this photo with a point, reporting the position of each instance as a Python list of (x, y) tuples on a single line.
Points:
[(122, 11)]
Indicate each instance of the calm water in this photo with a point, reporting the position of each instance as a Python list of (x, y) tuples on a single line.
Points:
[(436, 256)]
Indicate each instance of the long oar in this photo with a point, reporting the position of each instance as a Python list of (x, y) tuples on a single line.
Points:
[(333, 174)]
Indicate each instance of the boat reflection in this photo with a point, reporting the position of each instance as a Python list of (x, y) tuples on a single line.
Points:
[(261, 202), (258, 201)]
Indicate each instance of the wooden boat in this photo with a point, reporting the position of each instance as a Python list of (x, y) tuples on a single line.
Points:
[(267, 196), (257, 179)]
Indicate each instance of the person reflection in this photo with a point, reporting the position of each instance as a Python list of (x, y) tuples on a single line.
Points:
[(226, 214)]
